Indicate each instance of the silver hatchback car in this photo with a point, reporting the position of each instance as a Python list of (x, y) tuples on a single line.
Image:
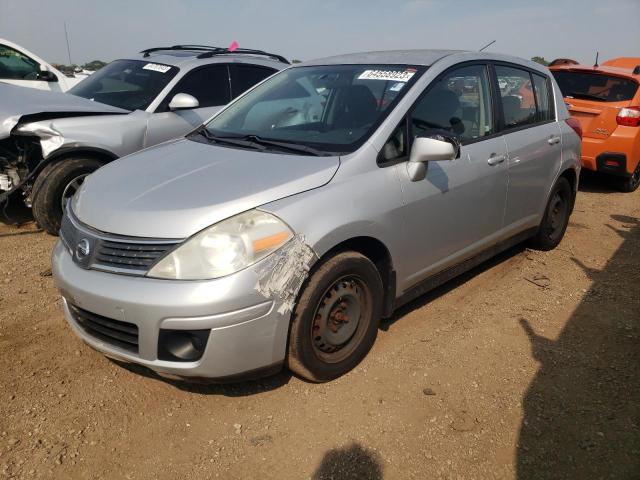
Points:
[(284, 229)]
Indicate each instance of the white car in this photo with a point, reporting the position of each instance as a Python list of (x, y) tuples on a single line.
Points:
[(18, 66)]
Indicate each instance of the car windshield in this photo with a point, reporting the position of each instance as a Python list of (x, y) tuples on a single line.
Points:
[(127, 84), (595, 86), (329, 108)]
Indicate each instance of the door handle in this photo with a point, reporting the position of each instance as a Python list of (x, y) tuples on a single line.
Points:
[(496, 159), (553, 140)]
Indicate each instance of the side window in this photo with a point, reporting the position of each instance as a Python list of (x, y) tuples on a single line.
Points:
[(544, 98), (516, 95), (209, 85), (459, 102), (16, 66), (243, 77)]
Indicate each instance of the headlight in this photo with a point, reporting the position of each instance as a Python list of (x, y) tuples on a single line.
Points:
[(225, 247)]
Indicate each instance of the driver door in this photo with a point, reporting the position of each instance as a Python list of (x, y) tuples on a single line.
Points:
[(457, 210)]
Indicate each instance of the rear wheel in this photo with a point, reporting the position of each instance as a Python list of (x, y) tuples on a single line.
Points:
[(556, 217), (631, 184), (336, 320), (55, 185)]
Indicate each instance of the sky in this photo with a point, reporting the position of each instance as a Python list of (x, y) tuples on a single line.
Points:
[(306, 29)]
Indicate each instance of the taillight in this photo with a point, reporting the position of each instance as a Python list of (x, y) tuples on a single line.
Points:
[(575, 124), (629, 117)]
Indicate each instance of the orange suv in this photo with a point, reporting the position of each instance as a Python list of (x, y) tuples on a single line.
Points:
[(605, 100)]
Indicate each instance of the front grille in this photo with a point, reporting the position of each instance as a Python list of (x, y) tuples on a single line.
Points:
[(134, 256), (118, 333), (110, 252)]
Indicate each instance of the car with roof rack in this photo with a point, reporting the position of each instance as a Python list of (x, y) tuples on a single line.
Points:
[(50, 142), (283, 230), (605, 100)]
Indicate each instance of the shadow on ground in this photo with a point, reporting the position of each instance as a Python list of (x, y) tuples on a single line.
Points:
[(14, 212), (582, 409), (598, 182), (353, 462), (240, 388)]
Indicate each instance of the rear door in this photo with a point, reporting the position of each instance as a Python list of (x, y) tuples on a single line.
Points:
[(244, 76), (595, 98), (533, 140), (209, 85)]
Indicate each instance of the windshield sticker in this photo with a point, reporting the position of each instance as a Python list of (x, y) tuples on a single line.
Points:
[(396, 87), (391, 75), (157, 68)]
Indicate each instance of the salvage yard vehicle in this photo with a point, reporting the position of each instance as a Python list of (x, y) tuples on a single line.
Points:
[(605, 100), (18, 66), (50, 142), (257, 242)]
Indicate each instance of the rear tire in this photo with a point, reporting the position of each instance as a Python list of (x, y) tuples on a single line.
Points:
[(57, 182), (631, 183), (556, 217), (336, 319)]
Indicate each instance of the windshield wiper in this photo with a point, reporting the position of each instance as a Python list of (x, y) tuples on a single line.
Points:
[(585, 96), (294, 147), (237, 142)]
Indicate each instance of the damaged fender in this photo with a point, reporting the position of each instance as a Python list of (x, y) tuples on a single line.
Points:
[(281, 276)]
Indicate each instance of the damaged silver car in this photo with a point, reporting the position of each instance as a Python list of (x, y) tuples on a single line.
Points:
[(282, 231), (49, 142)]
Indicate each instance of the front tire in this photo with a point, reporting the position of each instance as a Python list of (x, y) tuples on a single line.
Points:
[(556, 217), (57, 183), (336, 319)]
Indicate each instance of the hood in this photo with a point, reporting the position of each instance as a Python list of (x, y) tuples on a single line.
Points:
[(176, 189), (18, 102)]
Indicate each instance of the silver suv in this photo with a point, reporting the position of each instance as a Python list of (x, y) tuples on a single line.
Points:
[(49, 142), (283, 230)]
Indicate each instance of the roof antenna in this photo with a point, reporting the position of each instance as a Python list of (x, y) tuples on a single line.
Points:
[(595, 65), (487, 45)]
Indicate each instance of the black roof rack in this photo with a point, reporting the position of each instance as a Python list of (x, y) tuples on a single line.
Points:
[(208, 51)]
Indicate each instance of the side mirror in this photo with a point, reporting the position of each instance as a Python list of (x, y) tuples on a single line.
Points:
[(182, 101), (46, 75), (425, 150)]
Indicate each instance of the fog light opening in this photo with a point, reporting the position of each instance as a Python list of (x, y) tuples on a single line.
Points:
[(182, 345)]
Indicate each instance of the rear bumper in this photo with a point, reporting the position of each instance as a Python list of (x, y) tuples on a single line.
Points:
[(623, 144), (612, 163)]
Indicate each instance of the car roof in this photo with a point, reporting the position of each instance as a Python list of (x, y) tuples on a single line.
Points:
[(386, 57), (424, 57), (189, 56)]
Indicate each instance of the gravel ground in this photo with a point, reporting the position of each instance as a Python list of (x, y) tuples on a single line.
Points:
[(527, 367)]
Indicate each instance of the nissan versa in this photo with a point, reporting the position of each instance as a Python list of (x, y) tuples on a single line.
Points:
[(283, 230)]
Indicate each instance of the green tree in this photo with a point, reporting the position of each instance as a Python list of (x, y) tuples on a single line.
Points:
[(540, 60)]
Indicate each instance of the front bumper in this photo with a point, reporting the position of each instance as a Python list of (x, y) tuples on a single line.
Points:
[(248, 334)]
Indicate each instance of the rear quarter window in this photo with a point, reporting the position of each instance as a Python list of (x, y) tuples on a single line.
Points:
[(595, 86)]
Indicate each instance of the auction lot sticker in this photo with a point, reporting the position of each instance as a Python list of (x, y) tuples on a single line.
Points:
[(157, 67), (390, 75)]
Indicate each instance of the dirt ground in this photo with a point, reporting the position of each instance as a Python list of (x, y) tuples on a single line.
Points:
[(527, 367)]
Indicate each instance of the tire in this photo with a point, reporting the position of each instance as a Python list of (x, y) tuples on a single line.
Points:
[(345, 287), (55, 182), (631, 183), (556, 217)]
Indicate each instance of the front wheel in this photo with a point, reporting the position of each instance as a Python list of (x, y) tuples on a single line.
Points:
[(335, 322), (631, 184), (556, 217), (54, 186)]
